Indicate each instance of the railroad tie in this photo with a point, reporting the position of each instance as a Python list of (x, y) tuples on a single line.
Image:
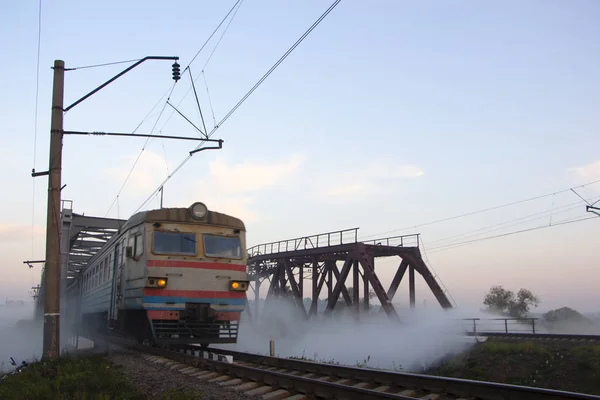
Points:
[(244, 386), (258, 391), (408, 393), (276, 395), (235, 381), (432, 396)]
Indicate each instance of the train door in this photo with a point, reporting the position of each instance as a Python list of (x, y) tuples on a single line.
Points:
[(116, 295)]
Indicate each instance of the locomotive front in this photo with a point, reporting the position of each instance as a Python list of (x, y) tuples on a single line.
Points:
[(195, 275)]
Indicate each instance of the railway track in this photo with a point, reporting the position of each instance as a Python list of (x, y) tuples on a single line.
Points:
[(546, 337), (283, 378)]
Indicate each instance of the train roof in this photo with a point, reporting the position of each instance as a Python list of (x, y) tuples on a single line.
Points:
[(183, 214), (169, 215)]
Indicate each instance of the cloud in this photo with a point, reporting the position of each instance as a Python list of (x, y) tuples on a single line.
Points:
[(234, 188), (150, 170), (17, 233), (588, 171), (248, 177), (346, 190), (377, 177), (387, 171)]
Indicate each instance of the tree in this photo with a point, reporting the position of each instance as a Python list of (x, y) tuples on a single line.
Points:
[(504, 301)]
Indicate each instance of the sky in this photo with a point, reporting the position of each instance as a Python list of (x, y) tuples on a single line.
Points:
[(389, 115)]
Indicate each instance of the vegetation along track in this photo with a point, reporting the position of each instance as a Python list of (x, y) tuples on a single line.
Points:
[(283, 378)]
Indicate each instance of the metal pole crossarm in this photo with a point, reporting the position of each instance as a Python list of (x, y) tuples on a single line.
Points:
[(119, 75), (200, 139), (35, 174), (593, 209), (208, 148), (34, 262)]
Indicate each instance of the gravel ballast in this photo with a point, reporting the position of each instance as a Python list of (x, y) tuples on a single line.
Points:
[(156, 379)]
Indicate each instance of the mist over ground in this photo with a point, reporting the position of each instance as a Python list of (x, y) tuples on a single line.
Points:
[(20, 340), (422, 338)]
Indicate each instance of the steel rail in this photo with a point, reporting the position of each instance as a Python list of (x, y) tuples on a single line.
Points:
[(308, 386), (279, 373), (551, 336), (436, 384)]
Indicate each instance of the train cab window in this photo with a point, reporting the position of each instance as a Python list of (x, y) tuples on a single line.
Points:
[(139, 246), (174, 243), (222, 246)]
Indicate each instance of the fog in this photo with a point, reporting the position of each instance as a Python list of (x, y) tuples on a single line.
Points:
[(422, 337), (20, 336)]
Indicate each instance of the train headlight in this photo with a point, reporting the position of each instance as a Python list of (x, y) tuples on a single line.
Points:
[(240, 286), (198, 210), (156, 282)]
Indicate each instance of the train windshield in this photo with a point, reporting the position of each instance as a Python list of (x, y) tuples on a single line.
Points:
[(174, 243), (222, 246)]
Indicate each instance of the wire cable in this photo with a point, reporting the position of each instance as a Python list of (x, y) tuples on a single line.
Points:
[(260, 81), (170, 91), (222, 34), (499, 226), (163, 109), (193, 81), (453, 245), (212, 34), (435, 274), (35, 126), (481, 211), (102, 65)]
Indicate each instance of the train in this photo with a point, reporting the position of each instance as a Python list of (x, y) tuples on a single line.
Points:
[(169, 277)]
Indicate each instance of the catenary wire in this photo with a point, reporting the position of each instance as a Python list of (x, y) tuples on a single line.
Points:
[(481, 211), (197, 76), (261, 80), (162, 110), (453, 245), (503, 225), (169, 92), (212, 34)]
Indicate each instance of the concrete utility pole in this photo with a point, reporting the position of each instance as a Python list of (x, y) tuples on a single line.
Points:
[(51, 347)]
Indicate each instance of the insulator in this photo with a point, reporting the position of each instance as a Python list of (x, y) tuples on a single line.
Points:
[(176, 72)]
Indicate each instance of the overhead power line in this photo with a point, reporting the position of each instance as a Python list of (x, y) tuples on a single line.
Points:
[(507, 224), (453, 245), (169, 92), (481, 211), (243, 99)]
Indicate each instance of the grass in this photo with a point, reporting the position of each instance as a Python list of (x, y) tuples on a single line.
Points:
[(70, 377), (358, 364), (78, 378), (562, 366), (514, 348)]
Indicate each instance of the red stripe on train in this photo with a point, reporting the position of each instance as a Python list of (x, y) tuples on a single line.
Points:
[(227, 316), (174, 315), (196, 264), (160, 314), (207, 294)]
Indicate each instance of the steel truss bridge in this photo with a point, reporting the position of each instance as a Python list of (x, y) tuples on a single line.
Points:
[(336, 260)]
